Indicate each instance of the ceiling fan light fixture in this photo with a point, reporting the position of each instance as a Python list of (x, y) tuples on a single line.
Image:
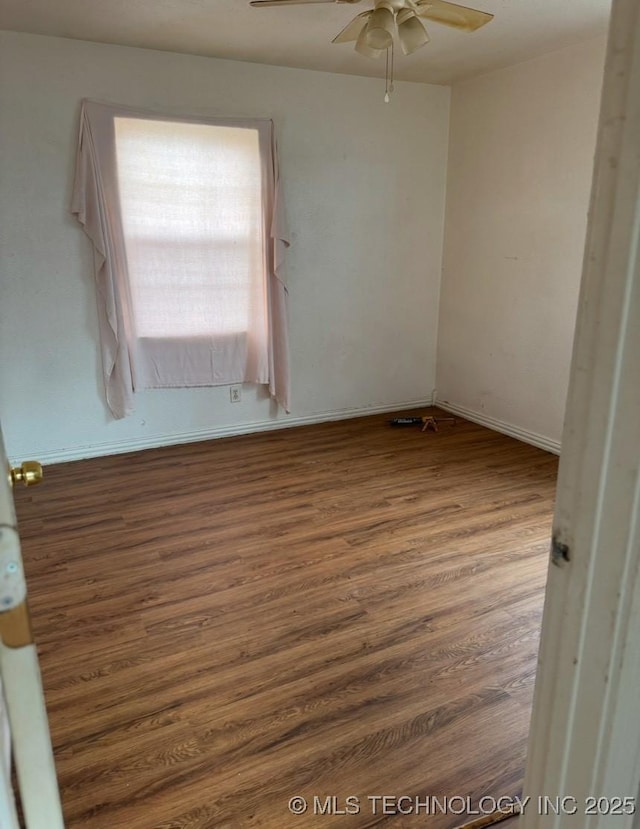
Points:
[(380, 28), (362, 46), (411, 31)]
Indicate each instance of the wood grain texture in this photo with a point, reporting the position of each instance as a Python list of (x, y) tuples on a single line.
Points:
[(342, 609), (499, 817)]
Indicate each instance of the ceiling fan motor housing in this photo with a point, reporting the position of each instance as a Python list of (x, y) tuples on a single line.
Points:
[(394, 5)]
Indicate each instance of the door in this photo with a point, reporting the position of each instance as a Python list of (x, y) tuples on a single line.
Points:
[(22, 707), (584, 746)]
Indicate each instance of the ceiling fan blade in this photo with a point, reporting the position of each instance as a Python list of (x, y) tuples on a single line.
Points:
[(411, 31), (352, 30), (450, 14)]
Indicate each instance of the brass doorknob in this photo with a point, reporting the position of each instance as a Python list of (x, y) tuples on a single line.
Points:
[(28, 473)]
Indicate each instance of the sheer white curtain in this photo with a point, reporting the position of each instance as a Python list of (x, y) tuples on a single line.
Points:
[(187, 225)]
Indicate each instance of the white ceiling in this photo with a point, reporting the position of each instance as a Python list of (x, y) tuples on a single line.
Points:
[(300, 36)]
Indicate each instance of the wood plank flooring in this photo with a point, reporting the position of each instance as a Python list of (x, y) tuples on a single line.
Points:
[(336, 610)]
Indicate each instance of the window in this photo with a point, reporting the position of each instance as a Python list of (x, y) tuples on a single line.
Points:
[(185, 218)]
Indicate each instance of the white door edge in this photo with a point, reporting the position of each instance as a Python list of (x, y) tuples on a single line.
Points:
[(585, 731)]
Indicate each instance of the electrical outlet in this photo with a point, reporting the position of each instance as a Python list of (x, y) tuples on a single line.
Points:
[(235, 392)]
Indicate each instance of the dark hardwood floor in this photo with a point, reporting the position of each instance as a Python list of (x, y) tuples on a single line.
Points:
[(335, 610)]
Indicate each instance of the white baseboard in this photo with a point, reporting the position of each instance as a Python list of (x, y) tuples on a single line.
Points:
[(97, 450), (525, 435)]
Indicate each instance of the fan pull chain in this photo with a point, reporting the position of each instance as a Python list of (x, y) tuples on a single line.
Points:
[(388, 75)]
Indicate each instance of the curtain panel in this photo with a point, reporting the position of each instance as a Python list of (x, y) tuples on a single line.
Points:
[(131, 361)]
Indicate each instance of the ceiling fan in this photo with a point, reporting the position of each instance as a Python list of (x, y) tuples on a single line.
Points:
[(373, 30)]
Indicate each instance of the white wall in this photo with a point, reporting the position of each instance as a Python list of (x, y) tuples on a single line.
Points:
[(364, 183), (522, 142)]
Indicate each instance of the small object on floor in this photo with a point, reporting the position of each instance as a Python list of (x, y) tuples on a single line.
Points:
[(405, 421), (428, 423)]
